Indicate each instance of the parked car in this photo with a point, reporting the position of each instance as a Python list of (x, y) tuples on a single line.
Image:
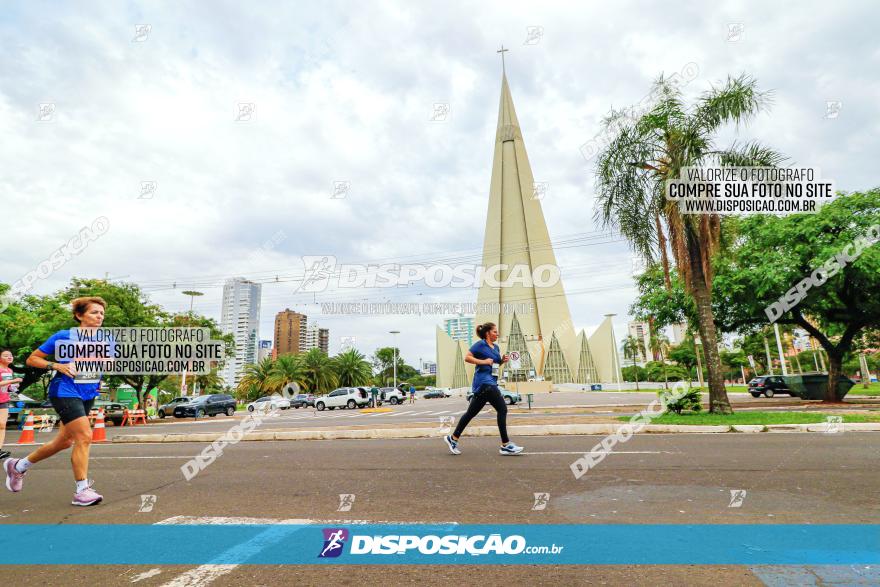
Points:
[(206, 405), (768, 385), (432, 392), (510, 397), (269, 402), (113, 411), (344, 397), (168, 409), (303, 400), (391, 395)]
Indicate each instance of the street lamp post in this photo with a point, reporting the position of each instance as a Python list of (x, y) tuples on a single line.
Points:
[(395, 333), (192, 296)]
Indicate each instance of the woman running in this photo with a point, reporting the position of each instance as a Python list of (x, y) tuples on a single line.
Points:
[(73, 402), (485, 355), (8, 384)]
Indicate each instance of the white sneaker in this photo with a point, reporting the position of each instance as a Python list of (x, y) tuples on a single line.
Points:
[(452, 444), (511, 449)]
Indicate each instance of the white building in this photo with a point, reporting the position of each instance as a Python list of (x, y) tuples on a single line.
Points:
[(641, 331), (240, 316), (461, 328), (315, 337), (679, 333)]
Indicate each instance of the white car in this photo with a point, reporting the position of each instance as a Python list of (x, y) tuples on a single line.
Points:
[(344, 397), (267, 403)]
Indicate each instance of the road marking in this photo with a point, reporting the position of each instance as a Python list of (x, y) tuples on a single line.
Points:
[(207, 573), (146, 575), (599, 452), (146, 457)]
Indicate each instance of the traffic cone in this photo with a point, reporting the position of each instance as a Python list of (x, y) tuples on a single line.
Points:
[(27, 433), (99, 434)]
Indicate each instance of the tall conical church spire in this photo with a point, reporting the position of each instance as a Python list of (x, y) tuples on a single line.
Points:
[(517, 239)]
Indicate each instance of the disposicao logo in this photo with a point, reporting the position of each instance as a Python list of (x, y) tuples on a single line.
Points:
[(334, 541)]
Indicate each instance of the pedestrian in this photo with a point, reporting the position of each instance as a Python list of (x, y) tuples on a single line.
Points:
[(374, 394), (8, 384), (488, 360), (72, 401), (412, 394)]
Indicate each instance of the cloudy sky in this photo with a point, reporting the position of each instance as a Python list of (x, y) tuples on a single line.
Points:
[(92, 106)]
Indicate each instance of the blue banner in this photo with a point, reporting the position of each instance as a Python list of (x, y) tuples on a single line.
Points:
[(383, 544)]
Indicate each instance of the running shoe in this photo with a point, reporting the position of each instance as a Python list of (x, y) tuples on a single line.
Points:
[(87, 496), (14, 479), (510, 449), (452, 444), (4, 454)]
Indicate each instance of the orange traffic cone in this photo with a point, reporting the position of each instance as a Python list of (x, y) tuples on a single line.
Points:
[(27, 432), (99, 434)]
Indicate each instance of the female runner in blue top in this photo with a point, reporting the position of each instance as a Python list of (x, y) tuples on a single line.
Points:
[(72, 401), (485, 355)]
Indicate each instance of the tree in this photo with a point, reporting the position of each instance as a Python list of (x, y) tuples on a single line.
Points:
[(286, 369), (632, 172), (829, 255), (352, 369), (633, 348), (659, 348), (318, 374), (255, 379), (383, 363)]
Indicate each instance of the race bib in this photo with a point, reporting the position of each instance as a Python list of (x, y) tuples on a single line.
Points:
[(495, 369)]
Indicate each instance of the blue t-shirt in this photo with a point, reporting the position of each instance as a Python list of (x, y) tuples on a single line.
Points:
[(483, 373), (62, 385)]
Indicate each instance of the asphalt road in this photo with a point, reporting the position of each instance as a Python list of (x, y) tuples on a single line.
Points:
[(433, 411), (677, 478)]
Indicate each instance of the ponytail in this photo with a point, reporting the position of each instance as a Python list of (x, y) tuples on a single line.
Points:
[(484, 329)]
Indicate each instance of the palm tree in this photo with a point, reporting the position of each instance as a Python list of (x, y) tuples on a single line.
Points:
[(286, 369), (318, 372), (651, 148), (352, 368), (633, 347), (256, 376), (659, 347), (208, 381)]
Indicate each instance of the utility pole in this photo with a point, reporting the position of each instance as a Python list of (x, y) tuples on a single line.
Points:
[(769, 360), (395, 333), (779, 348)]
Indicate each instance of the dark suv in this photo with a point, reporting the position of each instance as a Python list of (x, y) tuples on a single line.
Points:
[(206, 405), (768, 385), (303, 400)]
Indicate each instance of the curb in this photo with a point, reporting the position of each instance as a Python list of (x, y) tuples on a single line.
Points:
[(528, 430)]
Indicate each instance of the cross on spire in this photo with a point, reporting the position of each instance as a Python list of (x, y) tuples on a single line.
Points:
[(502, 50)]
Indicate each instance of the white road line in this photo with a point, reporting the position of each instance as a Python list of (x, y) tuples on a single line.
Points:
[(598, 452), (145, 457), (207, 573), (146, 575)]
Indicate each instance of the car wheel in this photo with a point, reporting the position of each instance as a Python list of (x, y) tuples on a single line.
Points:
[(332, 408), (769, 393), (250, 408), (296, 407), (351, 404), (212, 415), (162, 414), (320, 406), (756, 394), (200, 413), (230, 411), (394, 401), (508, 400)]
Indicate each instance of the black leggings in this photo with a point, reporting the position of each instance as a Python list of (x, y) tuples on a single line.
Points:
[(486, 394)]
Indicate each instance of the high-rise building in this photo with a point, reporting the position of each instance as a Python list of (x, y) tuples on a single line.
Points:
[(525, 298), (316, 338), (290, 332), (641, 331), (240, 316), (265, 350), (461, 328)]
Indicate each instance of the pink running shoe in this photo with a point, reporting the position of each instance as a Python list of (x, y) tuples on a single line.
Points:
[(87, 496), (14, 479)]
